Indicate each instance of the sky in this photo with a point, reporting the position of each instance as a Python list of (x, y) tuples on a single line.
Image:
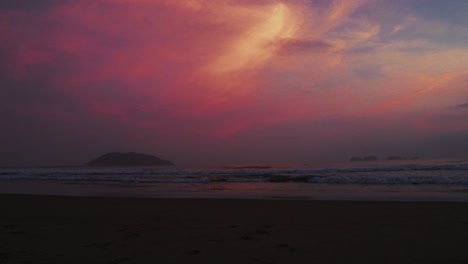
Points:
[(212, 82)]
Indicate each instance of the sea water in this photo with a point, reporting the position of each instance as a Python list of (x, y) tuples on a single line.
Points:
[(441, 180)]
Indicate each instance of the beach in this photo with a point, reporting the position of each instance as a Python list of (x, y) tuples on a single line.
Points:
[(59, 229)]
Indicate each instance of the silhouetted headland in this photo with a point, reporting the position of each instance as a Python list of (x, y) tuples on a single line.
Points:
[(128, 159)]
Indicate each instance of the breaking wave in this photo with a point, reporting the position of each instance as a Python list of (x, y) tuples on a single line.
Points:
[(451, 174)]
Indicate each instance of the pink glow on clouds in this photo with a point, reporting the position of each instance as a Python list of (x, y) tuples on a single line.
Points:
[(226, 68)]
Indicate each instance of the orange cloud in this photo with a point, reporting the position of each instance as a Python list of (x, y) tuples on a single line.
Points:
[(257, 44)]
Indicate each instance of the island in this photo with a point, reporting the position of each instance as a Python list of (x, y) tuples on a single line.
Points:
[(118, 159)]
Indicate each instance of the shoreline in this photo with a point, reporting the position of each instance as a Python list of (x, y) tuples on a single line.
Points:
[(243, 199), (58, 229)]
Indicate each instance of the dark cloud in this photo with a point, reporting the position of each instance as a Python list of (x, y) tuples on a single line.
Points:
[(461, 106), (28, 4), (452, 11)]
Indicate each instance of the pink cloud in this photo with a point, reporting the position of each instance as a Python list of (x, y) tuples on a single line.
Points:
[(224, 69)]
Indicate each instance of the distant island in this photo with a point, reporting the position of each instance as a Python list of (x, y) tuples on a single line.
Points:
[(128, 159)]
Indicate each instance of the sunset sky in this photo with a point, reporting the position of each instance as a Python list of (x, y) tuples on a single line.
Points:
[(212, 82)]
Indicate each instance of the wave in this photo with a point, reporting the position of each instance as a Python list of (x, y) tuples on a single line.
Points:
[(453, 174)]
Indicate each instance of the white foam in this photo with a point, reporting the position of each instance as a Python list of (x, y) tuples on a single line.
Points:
[(453, 174)]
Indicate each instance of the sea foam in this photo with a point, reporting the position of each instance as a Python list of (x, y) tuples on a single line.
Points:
[(442, 174)]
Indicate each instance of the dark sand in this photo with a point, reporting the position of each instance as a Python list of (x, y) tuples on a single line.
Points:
[(46, 229)]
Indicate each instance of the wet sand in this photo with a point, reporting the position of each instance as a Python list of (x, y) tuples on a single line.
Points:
[(53, 229)]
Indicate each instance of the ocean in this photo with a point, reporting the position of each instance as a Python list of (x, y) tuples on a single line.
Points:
[(415, 180)]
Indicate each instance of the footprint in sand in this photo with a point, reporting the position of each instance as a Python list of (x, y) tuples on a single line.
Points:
[(262, 232), (194, 252), (286, 247), (120, 260)]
